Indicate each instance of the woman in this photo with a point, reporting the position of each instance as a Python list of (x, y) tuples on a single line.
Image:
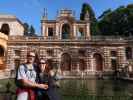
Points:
[(47, 76), (25, 79)]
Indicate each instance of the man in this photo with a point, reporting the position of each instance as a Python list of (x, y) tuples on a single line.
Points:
[(26, 75)]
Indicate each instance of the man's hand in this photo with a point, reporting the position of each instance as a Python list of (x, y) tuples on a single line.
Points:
[(43, 86)]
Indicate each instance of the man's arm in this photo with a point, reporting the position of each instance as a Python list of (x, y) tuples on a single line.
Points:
[(22, 78), (30, 84)]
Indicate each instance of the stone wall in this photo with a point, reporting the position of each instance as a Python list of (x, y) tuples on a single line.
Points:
[(15, 26)]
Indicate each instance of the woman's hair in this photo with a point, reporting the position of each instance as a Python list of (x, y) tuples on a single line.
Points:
[(48, 65), (37, 60), (36, 63)]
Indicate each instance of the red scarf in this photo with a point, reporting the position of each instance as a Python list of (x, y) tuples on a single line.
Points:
[(31, 93)]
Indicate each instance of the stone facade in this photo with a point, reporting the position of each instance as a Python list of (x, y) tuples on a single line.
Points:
[(3, 54), (3, 49), (71, 47), (15, 26), (65, 26)]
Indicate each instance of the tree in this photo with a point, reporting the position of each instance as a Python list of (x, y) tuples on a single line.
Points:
[(32, 31), (87, 8), (105, 13), (29, 30), (130, 6), (117, 22), (26, 29)]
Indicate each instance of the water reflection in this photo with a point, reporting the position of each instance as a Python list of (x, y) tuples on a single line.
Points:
[(96, 87), (74, 89)]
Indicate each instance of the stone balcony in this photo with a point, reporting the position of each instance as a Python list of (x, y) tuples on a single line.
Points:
[(38, 38), (93, 38)]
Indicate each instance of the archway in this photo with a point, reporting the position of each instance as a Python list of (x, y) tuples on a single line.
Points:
[(128, 53), (82, 64), (2, 65), (5, 29), (65, 31), (65, 62), (98, 61), (1, 51), (114, 60)]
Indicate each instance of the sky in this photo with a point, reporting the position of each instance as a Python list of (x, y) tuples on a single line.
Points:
[(31, 11)]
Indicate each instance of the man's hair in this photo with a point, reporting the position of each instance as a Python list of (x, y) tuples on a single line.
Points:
[(30, 53)]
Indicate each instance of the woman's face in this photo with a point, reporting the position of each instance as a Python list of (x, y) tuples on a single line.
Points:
[(43, 66)]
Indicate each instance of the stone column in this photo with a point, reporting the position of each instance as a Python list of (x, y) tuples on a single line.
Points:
[(57, 31), (74, 31), (44, 30), (88, 30), (78, 67), (92, 64), (107, 60), (87, 64), (59, 66), (121, 57), (9, 58), (89, 58), (132, 52)]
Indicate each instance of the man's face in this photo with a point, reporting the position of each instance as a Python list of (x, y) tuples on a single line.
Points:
[(31, 57)]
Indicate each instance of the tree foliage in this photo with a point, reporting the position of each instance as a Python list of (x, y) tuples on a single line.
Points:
[(32, 31), (117, 22), (93, 21), (29, 30), (26, 28)]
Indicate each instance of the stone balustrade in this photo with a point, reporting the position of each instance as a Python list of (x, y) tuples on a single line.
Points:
[(93, 38)]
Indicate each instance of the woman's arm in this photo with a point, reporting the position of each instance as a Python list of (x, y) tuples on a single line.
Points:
[(28, 83)]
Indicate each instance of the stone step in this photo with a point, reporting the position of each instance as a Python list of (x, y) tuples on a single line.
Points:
[(79, 77), (4, 74)]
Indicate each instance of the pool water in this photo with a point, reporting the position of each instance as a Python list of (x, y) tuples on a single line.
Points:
[(96, 90), (92, 89)]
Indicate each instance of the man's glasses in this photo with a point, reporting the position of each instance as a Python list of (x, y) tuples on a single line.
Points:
[(31, 56), (42, 63)]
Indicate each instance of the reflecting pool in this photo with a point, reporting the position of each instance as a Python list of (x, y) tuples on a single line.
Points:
[(92, 89), (96, 90)]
